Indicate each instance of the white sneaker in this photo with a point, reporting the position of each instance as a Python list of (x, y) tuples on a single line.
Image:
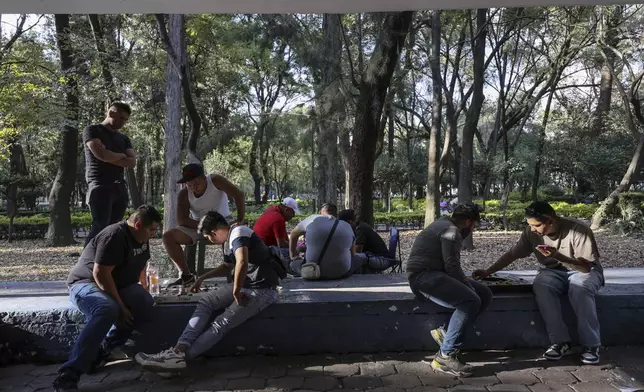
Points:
[(169, 360)]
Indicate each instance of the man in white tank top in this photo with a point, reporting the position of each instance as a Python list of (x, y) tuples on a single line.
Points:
[(202, 193)]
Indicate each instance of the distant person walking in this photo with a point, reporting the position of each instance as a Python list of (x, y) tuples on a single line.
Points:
[(107, 152)]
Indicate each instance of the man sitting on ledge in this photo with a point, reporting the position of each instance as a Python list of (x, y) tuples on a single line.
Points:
[(202, 193), (104, 285), (371, 252), (324, 234), (435, 273), (256, 276), (568, 253)]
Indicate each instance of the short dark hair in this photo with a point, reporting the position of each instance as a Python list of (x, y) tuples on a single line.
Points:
[(347, 215), (211, 222), (331, 208), (147, 215), (121, 107), (540, 210), (463, 212)]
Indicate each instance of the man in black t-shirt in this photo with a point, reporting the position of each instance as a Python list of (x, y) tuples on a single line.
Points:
[(107, 153), (104, 285), (257, 270), (371, 253)]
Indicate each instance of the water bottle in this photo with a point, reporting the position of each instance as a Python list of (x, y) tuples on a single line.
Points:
[(153, 279)]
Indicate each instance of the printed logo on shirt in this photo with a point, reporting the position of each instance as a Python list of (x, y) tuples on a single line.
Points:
[(141, 250)]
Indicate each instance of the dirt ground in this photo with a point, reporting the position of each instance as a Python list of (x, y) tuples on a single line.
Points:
[(32, 261)]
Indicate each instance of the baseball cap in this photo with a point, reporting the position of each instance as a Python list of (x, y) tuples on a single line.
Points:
[(468, 211), (292, 204), (190, 172)]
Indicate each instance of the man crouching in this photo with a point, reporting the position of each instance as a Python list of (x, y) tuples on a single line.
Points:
[(256, 276)]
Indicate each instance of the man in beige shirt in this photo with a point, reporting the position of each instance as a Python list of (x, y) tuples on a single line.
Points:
[(567, 252)]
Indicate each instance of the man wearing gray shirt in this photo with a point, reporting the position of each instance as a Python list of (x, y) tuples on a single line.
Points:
[(435, 273), (336, 261)]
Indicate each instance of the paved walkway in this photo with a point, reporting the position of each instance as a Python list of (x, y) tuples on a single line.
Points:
[(622, 369)]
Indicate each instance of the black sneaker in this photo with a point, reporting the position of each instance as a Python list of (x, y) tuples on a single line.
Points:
[(451, 364), (590, 355), (185, 280), (99, 362), (557, 351), (66, 381)]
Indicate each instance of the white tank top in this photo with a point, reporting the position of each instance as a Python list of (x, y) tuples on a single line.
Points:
[(213, 199)]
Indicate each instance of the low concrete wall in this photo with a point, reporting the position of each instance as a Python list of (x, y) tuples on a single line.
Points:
[(361, 314)]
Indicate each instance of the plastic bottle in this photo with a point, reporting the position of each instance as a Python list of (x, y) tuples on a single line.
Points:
[(152, 273)]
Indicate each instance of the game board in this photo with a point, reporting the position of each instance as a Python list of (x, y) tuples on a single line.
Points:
[(182, 294), (507, 283)]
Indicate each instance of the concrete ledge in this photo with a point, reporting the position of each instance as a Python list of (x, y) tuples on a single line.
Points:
[(365, 313)]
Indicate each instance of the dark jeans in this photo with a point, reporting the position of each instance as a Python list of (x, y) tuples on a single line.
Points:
[(107, 203), (446, 291), (101, 312)]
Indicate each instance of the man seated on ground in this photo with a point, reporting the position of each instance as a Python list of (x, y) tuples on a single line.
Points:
[(256, 276), (271, 225), (202, 193), (569, 258), (104, 285), (328, 209), (371, 252), (324, 234), (435, 273)]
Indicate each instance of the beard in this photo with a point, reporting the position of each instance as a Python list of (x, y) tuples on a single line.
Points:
[(466, 232)]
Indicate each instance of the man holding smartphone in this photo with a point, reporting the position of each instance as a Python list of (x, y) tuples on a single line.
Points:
[(568, 253)]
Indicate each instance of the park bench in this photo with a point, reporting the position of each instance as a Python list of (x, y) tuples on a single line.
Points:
[(364, 313)]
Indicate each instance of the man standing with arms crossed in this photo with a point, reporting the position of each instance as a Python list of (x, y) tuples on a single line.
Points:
[(107, 152)]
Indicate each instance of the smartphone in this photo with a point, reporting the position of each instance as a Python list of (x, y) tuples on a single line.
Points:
[(542, 246)]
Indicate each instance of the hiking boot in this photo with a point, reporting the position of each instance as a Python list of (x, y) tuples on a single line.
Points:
[(451, 364), (557, 351), (185, 280), (65, 382), (170, 360), (590, 355), (438, 335)]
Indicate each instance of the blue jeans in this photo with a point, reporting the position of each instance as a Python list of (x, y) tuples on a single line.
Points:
[(550, 285), (101, 312), (446, 291)]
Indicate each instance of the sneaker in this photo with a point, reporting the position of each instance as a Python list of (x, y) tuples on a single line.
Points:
[(451, 365), (185, 280), (169, 360), (590, 355), (438, 335), (557, 351), (99, 362), (66, 381)]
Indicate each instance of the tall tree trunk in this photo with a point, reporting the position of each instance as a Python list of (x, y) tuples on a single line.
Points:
[(491, 155), (328, 103), (473, 114), (60, 231), (179, 60), (432, 203), (345, 152), (542, 142), (390, 152), (608, 35), (17, 169), (631, 173), (373, 90), (172, 125), (253, 165)]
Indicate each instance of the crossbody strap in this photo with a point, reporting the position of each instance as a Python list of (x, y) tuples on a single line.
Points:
[(328, 240)]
